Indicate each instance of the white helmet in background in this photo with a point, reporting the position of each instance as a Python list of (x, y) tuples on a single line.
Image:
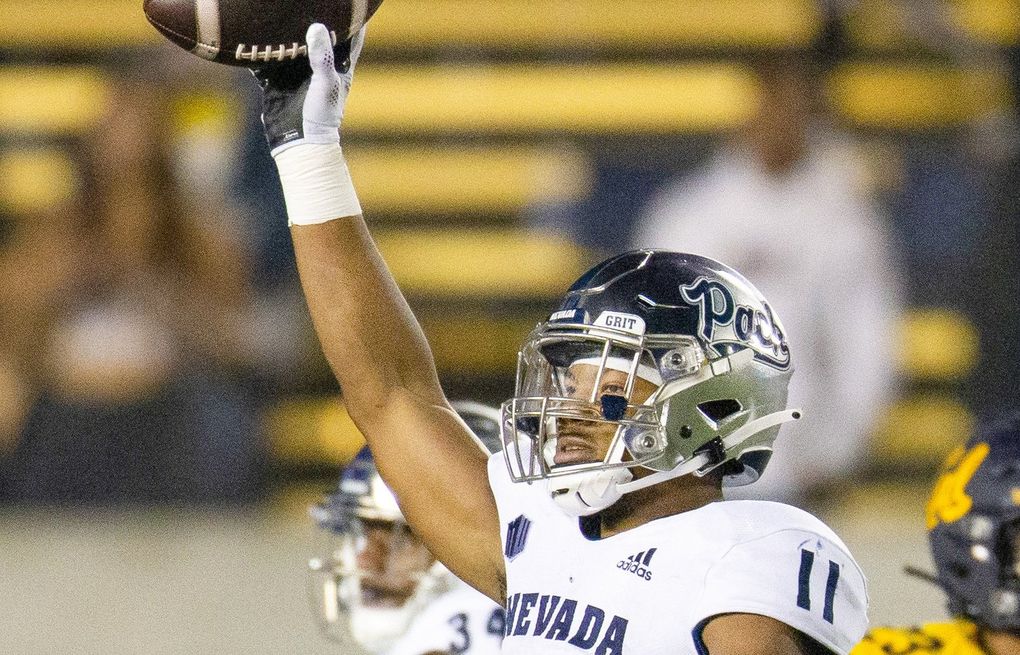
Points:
[(374, 575)]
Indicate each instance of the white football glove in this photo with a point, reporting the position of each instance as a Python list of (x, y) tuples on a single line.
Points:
[(303, 100)]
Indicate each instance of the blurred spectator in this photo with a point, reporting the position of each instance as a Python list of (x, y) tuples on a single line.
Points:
[(39, 240), (145, 397), (781, 203)]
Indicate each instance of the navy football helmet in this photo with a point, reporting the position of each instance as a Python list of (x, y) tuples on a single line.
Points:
[(374, 575), (676, 356), (973, 520)]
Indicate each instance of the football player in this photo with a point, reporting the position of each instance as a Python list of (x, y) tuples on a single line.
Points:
[(973, 520), (660, 378), (379, 586)]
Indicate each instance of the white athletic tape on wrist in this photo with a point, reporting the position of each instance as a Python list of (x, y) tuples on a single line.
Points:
[(316, 184)]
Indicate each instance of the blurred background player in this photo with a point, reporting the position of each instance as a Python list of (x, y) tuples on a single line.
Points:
[(377, 583), (973, 520)]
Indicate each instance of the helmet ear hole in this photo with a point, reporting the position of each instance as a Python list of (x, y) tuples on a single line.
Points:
[(718, 411)]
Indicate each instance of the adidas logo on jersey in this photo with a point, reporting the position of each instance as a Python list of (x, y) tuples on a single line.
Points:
[(638, 564)]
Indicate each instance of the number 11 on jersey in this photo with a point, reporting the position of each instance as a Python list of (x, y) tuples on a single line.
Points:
[(807, 562)]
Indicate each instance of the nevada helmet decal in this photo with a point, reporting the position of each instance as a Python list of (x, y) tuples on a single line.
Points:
[(723, 321)]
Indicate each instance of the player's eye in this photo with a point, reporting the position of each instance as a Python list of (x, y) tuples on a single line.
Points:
[(611, 390)]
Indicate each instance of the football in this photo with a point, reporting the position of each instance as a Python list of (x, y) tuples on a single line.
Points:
[(250, 32)]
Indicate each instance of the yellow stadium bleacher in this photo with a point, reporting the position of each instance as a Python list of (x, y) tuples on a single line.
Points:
[(36, 179), (516, 24), (918, 431), (424, 180), (572, 98), (596, 24), (313, 430), (488, 263), (891, 25), (651, 98), (938, 348), (938, 344), (45, 99), (557, 98), (915, 96), (994, 22), (523, 25), (76, 26)]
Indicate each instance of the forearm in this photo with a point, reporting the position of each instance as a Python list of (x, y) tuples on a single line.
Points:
[(425, 452), (367, 331)]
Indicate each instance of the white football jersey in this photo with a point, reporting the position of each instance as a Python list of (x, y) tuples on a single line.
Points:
[(651, 589), (460, 621)]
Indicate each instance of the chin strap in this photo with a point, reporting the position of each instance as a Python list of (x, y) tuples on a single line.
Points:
[(587, 492), (699, 464)]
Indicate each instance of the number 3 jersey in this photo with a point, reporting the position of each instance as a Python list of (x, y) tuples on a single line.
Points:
[(652, 589), (460, 622)]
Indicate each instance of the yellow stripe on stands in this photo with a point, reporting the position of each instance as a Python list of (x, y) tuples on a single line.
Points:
[(36, 179), (566, 98), (596, 24), (477, 344), (520, 24), (313, 430), (496, 263), (50, 99), (921, 430), (410, 179), (73, 24), (937, 344), (517, 24), (908, 96), (991, 21)]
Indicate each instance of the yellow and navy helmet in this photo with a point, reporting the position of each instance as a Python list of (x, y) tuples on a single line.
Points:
[(973, 520)]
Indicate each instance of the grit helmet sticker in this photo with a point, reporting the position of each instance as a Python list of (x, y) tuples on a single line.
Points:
[(630, 323), (723, 321)]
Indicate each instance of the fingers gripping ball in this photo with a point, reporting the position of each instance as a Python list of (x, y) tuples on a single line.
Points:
[(303, 101), (303, 104)]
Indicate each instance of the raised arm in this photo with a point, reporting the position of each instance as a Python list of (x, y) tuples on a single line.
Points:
[(368, 333)]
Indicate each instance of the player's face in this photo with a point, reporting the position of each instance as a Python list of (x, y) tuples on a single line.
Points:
[(579, 441), (392, 561)]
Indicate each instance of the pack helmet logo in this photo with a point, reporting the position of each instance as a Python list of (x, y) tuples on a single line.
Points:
[(723, 321)]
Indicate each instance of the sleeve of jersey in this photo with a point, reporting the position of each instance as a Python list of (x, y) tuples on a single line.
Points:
[(796, 577)]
